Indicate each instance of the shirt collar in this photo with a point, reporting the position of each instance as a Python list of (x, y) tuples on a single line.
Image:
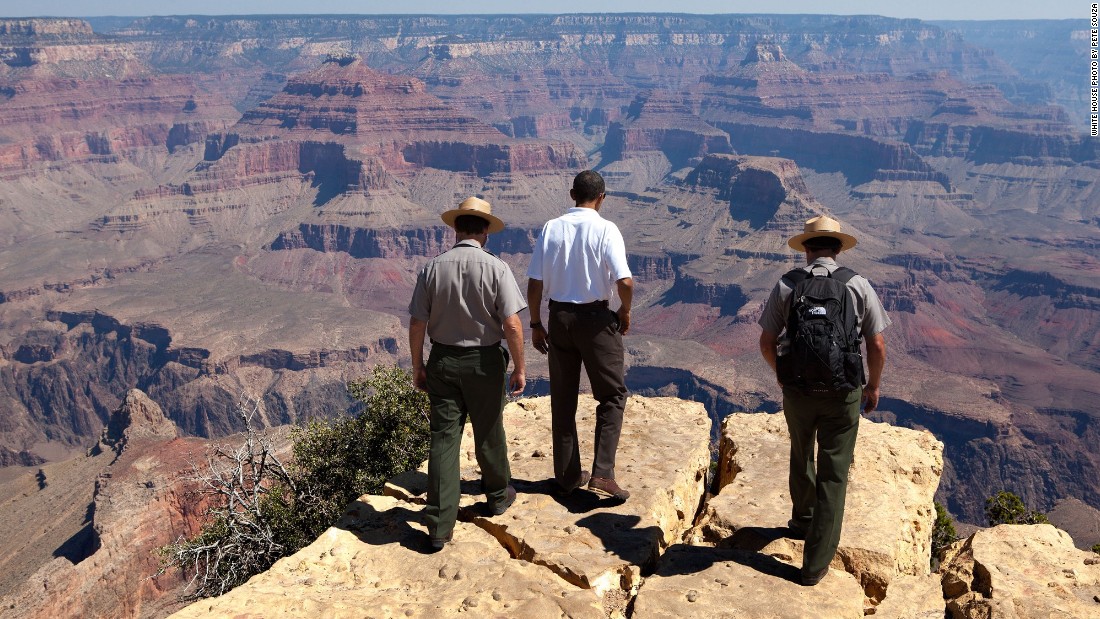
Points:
[(583, 211), (829, 262), (469, 243)]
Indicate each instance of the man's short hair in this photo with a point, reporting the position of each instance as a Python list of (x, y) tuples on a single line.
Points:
[(587, 186), (823, 242), (471, 224)]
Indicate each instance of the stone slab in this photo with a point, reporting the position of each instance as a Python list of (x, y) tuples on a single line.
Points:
[(377, 563), (889, 513), (697, 581), (589, 540), (913, 597)]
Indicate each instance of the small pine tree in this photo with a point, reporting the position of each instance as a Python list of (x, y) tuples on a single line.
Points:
[(1007, 508), (943, 534)]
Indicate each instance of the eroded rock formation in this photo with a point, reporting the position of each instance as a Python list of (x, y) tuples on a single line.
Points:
[(1021, 571), (84, 542)]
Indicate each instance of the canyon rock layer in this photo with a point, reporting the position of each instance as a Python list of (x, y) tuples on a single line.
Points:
[(218, 208)]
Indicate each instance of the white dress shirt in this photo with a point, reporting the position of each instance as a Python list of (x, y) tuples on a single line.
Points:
[(579, 257)]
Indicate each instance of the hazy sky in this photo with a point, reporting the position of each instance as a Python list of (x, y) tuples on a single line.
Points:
[(922, 9)]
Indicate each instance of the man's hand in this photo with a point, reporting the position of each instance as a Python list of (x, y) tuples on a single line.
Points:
[(517, 382), (870, 398), (625, 288), (624, 319), (876, 359), (417, 332), (538, 338)]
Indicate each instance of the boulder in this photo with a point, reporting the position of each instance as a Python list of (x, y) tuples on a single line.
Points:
[(889, 513), (1021, 572)]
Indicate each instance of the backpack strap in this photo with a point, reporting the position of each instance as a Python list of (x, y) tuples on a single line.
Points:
[(795, 276), (841, 274)]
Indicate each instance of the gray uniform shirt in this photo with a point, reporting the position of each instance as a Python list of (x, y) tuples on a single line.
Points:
[(465, 295), (871, 318)]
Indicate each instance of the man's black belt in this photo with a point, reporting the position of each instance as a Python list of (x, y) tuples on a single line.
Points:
[(464, 348), (572, 307)]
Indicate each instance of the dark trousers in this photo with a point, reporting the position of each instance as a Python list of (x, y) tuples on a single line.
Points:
[(818, 495), (588, 336), (461, 382)]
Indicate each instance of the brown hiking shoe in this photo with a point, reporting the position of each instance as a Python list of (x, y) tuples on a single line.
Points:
[(608, 487)]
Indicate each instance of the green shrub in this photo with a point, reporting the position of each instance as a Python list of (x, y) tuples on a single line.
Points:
[(1007, 508), (943, 534), (1096, 548), (262, 510)]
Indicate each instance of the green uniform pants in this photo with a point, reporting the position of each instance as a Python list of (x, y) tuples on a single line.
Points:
[(818, 495), (461, 382)]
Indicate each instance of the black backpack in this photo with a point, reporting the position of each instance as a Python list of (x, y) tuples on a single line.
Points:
[(823, 355)]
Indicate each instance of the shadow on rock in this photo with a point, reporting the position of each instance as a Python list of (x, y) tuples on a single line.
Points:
[(681, 559), (580, 501), (755, 539), (620, 536), (393, 526)]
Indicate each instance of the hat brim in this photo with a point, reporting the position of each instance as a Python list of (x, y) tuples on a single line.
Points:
[(847, 241), (495, 223)]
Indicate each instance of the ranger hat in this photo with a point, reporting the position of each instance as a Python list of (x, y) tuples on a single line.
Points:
[(822, 226), (476, 207)]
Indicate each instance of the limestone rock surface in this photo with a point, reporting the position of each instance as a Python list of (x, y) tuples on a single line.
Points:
[(1021, 572), (732, 583), (547, 556), (377, 562), (589, 540), (889, 513), (913, 597)]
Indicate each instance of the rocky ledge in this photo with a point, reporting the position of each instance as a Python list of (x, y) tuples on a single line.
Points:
[(672, 550)]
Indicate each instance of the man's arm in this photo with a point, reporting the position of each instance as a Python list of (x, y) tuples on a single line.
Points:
[(513, 334), (417, 330), (625, 287), (876, 359), (534, 304), (769, 340)]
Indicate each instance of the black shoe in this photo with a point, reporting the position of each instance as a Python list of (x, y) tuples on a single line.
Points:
[(797, 529), (809, 580), (567, 490), (509, 498), (439, 542), (608, 487)]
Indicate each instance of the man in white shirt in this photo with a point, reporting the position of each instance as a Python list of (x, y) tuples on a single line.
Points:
[(579, 264)]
